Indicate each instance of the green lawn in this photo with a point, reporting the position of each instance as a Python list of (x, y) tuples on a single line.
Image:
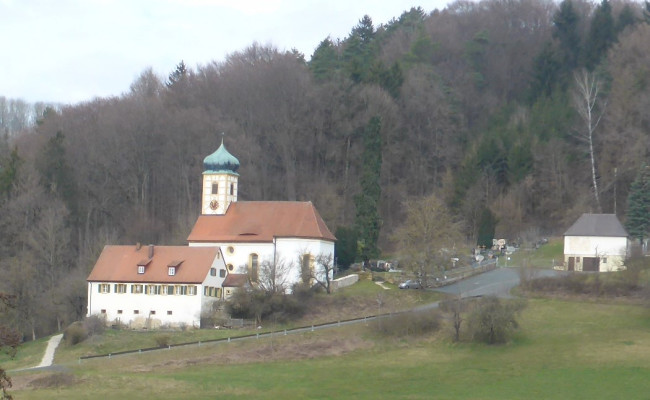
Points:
[(545, 256), (564, 350)]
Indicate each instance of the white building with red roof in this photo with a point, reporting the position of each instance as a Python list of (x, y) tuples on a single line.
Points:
[(255, 235), (152, 286), (232, 244)]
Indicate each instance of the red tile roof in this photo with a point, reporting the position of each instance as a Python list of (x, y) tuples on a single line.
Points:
[(120, 264), (235, 280), (261, 221)]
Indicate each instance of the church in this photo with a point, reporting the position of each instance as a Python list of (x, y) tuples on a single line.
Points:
[(232, 244)]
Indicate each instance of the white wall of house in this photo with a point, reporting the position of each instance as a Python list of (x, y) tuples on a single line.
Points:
[(287, 250), (611, 250), (142, 310)]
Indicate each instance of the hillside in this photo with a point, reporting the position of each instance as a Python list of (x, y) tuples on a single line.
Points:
[(475, 104)]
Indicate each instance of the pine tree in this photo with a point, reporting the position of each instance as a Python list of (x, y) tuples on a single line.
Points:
[(566, 21), (638, 205), (601, 35), (325, 61), (367, 202)]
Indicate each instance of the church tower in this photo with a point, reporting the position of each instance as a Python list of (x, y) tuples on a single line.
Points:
[(219, 181)]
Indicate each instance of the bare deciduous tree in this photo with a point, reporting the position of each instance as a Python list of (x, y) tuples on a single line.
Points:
[(591, 107), (274, 275)]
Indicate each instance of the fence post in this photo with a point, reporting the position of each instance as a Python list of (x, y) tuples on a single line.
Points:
[(312, 328), (228, 340), (199, 343)]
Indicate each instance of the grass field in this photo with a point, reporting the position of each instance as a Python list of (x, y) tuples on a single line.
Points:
[(564, 350), (545, 256)]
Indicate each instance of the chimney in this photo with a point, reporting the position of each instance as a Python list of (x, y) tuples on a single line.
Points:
[(150, 251)]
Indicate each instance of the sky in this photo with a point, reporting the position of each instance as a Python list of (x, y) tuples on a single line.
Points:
[(71, 51)]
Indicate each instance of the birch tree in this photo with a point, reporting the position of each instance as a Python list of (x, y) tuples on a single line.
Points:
[(590, 107)]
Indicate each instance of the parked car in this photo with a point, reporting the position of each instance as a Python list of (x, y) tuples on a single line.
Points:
[(410, 284)]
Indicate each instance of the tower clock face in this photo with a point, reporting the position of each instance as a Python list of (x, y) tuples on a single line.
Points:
[(214, 204)]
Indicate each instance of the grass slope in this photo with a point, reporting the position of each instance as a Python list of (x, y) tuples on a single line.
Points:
[(564, 350)]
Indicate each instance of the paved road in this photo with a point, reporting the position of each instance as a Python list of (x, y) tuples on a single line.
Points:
[(497, 282)]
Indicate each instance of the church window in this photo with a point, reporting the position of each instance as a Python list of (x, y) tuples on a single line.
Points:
[(306, 268), (253, 266), (104, 288), (222, 273), (232, 189), (231, 250), (140, 269), (215, 188), (171, 271), (230, 267)]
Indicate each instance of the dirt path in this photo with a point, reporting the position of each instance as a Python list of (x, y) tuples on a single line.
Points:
[(48, 357)]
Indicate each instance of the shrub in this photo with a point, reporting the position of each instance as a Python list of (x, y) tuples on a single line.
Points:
[(261, 305), (75, 333), (409, 323), (493, 320), (94, 325), (163, 340)]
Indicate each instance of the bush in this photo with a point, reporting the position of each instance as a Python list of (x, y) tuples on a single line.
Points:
[(75, 333), (163, 340), (259, 305), (493, 320), (409, 323), (94, 325)]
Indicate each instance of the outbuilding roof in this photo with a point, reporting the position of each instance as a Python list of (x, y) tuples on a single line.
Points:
[(235, 280), (120, 264), (597, 225), (261, 221)]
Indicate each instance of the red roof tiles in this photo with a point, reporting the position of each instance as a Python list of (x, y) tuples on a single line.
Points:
[(261, 221), (120, 264)]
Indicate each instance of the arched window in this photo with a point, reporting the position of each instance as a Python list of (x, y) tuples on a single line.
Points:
[(253, 267), (306, 268)]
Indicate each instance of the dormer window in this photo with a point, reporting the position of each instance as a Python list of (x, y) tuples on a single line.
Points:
[(140, 269), (173, 266)]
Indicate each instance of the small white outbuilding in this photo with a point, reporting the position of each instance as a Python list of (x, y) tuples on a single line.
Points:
[(597, 243)]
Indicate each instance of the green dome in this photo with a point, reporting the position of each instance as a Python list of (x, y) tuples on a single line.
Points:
[(221, 161)]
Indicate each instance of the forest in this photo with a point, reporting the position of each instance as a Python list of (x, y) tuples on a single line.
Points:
[(518, 115)]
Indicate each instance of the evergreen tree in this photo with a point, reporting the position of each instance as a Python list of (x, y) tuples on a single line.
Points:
[(638, 205), (367, 202), (565, 22), (546, 70), (346, 246), (601, 35), (56, 174), (325, 61), (486, 228), (8, 171), (178, 75), (625, 18)]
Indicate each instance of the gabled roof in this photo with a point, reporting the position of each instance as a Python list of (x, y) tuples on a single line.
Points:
[(597, 225), (261, 221), (235, 280), (120, 264)]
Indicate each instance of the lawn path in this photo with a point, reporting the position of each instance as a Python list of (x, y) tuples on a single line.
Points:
[(48, 357)]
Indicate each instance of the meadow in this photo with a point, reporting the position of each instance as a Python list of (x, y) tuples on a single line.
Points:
[(563, 350)]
